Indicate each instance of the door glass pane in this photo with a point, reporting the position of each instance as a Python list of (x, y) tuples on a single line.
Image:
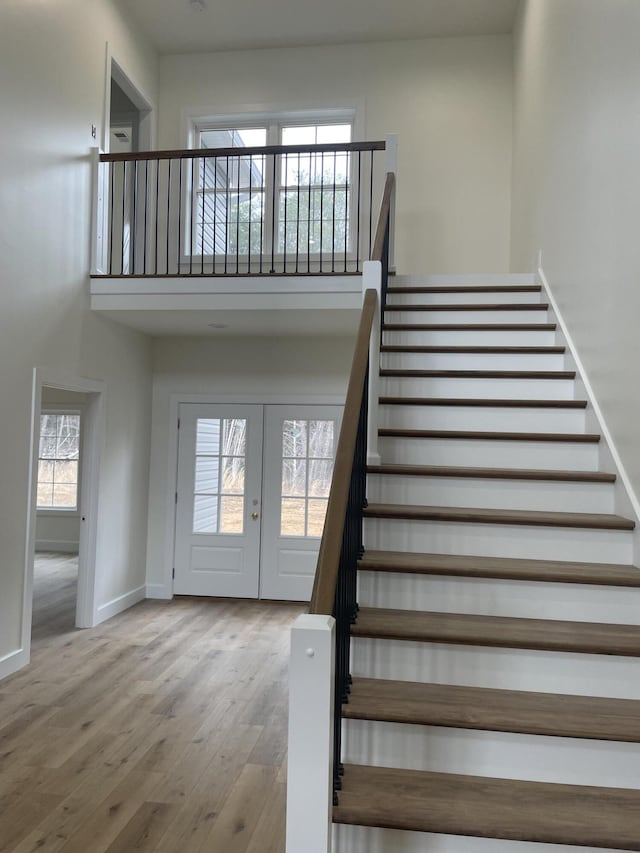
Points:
[(294, 477), (207, 470), (208, 436), (219, 473), (320, 471), (315, 517), (205, 514), (231, 514), (294, 439), (307, 468), (233, 475), (292, 522)]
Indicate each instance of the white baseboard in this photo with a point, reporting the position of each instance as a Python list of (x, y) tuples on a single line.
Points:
[(57, 545), (159, 591), (13, 662), (118, 605), (606, 434)]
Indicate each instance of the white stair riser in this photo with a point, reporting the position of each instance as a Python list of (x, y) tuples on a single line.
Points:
[(529, 389), (490, 597), (491, 298), (471, 361), (503, 755), (494, 418), (467, 337), (360, 839), (497, 279), (498, 540), (497, 454), (503, 669), (471, 316), (495, 494)]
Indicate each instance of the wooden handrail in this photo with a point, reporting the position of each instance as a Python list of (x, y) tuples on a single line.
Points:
[(255, 151), (324, 587), (383, 219)]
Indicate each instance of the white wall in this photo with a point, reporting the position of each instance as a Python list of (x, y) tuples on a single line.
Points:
[(449, 99), (576, 187), (52, 66), (295, 369)]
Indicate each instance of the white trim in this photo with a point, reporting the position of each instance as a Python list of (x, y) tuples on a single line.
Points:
[(63, 546), (116, 70), (220, 285), (119, 604), (13, 662), (607, 438), (158, 591), (176, 399), (372, 280)]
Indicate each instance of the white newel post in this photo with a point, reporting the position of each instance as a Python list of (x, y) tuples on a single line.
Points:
[(310, 760), (98, 214), (391, 165), (372, 280)]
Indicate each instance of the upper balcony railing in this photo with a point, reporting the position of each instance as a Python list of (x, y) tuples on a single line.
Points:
[(285, 210)]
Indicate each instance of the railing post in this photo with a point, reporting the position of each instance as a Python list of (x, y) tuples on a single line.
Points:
[(391, 165), (310, 760), (98, 214), (372, 280)]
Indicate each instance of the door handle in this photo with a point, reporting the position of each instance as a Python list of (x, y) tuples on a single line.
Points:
[(254, 516)]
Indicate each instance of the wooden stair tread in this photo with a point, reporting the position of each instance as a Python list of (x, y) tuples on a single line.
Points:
[(492, 473), (486, 350), (504, 403), (470, 327), (479, 306), (507, 568), (494, 710), (482, 515), (492, 435), (477, 374), (498, 631), (489, 808), (468, 288)]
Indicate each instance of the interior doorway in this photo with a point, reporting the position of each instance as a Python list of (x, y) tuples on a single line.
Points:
[(66, 439)]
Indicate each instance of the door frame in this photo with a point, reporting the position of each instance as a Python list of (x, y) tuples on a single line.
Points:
[(175, 400), (93, 432)]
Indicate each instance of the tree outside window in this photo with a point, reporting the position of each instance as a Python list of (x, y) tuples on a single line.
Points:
[(58, 461)]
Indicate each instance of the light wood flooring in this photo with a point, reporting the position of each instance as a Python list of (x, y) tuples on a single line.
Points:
[(163, 729)]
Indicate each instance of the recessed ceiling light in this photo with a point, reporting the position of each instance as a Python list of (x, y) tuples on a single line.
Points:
[(217, 325), (198, 5)]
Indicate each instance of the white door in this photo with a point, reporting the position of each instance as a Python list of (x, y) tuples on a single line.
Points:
[(300, 444), (217, 549)]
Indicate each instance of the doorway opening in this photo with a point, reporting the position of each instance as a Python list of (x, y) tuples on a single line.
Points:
[(66, 436)]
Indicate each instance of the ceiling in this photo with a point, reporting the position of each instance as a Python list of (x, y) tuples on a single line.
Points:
[(181, 26)]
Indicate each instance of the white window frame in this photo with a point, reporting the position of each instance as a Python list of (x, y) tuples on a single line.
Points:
[(273, 121), (71, 512)]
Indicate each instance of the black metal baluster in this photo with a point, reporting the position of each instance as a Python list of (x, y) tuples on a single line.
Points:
[(132, 238), (238, 219), (214, 236), (298, 216), (226, 216), (309, 216), (286, 205), (250, 201), (146, 216), (124, 213), (370, 204), (204, 188), (346, 207), (321, 205), (157, 213), (112, 200), (192, 242), (180, 164), (333, 216), (275, 190), (263, 207), (358, 214), (168, 211)]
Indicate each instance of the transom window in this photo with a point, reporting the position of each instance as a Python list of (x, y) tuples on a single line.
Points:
[(58, 461), (246, 205)]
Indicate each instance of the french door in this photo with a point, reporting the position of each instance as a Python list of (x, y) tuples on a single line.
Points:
[(252, 489)]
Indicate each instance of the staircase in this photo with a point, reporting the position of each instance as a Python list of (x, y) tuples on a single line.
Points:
[(496, 656)]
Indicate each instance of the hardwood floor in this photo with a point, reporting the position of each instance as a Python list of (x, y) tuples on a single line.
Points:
[(163, 730)]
